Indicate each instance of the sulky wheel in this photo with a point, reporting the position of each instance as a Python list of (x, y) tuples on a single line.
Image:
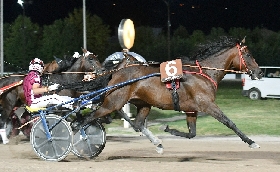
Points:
[(59, 146), (92, 143)]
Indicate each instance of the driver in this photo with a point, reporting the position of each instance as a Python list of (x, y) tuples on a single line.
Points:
[(33, 89)]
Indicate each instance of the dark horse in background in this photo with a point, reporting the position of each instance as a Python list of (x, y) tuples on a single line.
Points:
[(14, 97), (197, 91)]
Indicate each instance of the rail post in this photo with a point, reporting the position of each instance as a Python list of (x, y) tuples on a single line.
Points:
[(126, 109)]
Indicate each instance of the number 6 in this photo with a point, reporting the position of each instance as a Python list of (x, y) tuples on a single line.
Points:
[(169, 66)]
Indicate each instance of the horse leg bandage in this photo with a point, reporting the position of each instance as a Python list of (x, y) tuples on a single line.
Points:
[(4, 136)]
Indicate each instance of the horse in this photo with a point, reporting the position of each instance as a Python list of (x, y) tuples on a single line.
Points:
[(15, 98), (196, 92)]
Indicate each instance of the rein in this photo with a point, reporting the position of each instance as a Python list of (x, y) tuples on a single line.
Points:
[(65, 72), (210, 68), (127, 65)]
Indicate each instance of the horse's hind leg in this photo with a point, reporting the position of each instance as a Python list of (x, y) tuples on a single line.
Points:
[(191, 122), (214, 111), (8, 103)]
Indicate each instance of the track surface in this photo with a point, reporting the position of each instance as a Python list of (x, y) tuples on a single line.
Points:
[(137, 154)]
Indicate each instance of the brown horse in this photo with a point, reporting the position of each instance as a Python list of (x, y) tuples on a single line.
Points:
[(197, 90)]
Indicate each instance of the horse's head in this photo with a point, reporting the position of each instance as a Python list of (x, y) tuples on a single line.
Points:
[(246, 63), (66, 63), (90, 62), (51, 67), (59, 65)]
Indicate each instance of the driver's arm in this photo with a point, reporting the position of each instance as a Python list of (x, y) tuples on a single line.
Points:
[(37, 89)]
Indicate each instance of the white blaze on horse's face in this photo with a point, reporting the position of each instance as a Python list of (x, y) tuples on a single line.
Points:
[(87, 53)]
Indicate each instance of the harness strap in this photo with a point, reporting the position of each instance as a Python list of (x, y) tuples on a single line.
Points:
[(175, 96), (202, 74), (3, 89)]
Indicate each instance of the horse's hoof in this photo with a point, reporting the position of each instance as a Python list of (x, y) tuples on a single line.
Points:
[(164, 128), (159, 149), (254, 145)]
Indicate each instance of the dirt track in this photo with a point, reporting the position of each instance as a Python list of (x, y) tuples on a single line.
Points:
[(137, 154)]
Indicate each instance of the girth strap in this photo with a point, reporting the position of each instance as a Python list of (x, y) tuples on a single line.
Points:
[(175, 96)]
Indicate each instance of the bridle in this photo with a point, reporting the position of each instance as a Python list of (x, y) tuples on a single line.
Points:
[(96, 69), (241, 59)]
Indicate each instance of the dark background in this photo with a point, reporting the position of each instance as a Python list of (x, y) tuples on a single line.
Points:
[(192, 14)]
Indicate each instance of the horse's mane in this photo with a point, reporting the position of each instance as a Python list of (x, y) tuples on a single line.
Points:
[(211, 48), (66, 64)]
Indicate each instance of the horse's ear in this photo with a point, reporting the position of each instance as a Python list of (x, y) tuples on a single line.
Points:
[(58, 60), (243, 40), (84, 50)]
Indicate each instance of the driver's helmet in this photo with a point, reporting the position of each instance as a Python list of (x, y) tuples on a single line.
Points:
[(37, 65)]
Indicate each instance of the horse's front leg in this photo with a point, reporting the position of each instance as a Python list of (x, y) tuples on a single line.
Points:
[(191, 118), (139, 126), (215, 111)]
